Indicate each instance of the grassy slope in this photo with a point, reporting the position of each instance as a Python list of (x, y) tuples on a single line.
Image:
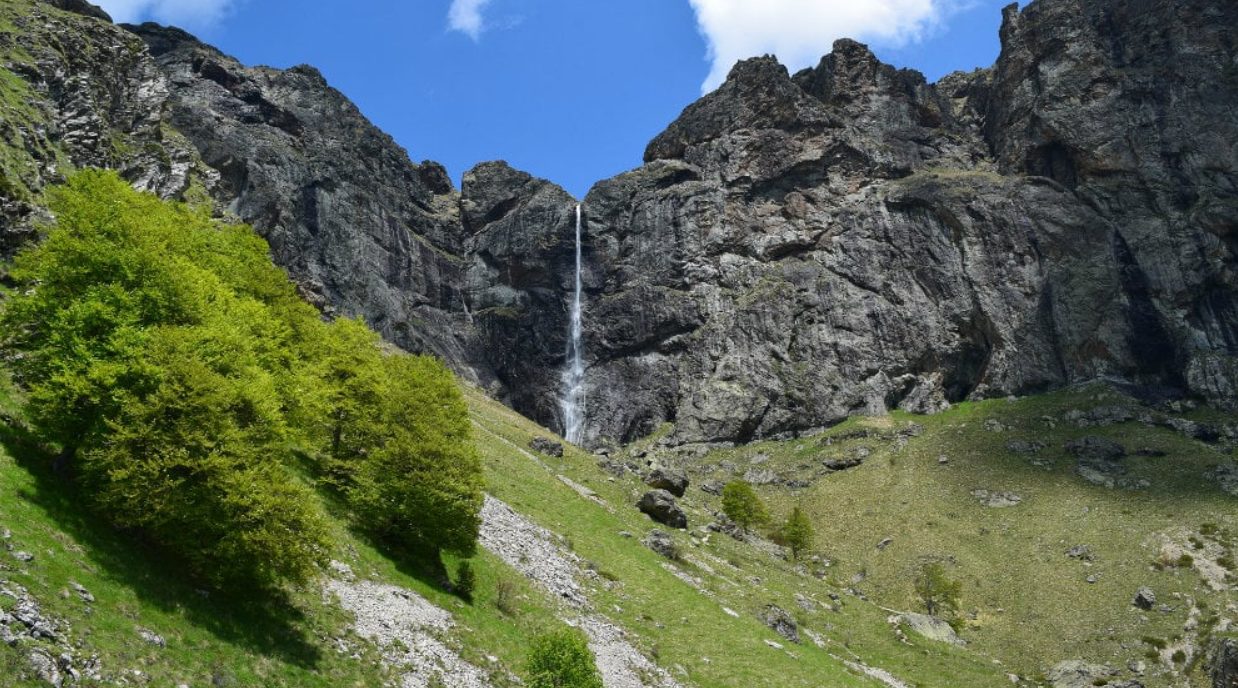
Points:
[(1027, 603), (687, 629), (1031, 603)]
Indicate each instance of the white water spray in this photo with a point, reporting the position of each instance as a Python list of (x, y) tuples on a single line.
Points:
[(572, 403)]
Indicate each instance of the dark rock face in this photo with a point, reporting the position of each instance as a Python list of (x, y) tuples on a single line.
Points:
[(362, 229), (851, 239), (795, 249), (81, 7), (545, 446), (1223, 663)]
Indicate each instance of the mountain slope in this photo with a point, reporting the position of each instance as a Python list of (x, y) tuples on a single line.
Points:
[(1028, 604)]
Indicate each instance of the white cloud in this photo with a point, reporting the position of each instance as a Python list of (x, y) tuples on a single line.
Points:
[(465, 17), (799, 32), (193, 14)]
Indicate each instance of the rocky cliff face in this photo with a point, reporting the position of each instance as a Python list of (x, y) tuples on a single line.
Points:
[(850, 238), (796, 248), (77, 90)]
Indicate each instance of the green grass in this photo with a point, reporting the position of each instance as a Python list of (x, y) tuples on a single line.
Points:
[(1026, 605), (689, 629)]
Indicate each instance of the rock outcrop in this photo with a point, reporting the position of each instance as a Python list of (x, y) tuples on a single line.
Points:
[(795, 249), (84, 93), (851, 239)]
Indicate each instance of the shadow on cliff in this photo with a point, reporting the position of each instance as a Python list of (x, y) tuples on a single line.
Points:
[(264, 622)]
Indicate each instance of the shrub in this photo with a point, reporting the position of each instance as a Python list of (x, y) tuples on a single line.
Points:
[(190, 463), (797, 532), (742, 505), (505, 596), (159, 351), (561, 660), (938, 593)]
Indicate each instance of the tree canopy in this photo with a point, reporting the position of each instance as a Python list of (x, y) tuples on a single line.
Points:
[(178, 372), (742, 505)]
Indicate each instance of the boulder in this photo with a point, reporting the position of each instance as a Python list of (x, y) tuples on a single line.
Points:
[(1223, 663), (1025, 446), (672, 481), (1076, 673), (930, 627), (546, 446), (842, 464), (660, 505), (760, 476), (997, 500), (1092, 448), (661, 542), (1144, 598), (1225, 475), (1098, 460), (1082, 552), (781, 622)]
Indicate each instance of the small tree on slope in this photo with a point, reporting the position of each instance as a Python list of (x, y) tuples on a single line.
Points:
[(741, 504), (797, 532)]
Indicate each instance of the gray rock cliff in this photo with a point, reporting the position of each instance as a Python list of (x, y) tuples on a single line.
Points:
[(795, 248)]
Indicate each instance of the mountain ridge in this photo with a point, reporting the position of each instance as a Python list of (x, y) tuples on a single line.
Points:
[(796, 248)]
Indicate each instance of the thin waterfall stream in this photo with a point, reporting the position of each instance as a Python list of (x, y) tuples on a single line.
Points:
[(572, 403)]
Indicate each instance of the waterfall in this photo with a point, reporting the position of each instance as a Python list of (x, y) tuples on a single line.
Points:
[(573, 400)]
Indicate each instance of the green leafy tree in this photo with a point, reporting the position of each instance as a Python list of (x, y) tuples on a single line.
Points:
[(937, 591), (346, 415), (423, 485), (190, 464), (562, 659), (742, 505), (797, 532), (177, 369), (159, 351)]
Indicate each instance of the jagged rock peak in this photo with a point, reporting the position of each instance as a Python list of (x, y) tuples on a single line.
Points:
[(757, 94)]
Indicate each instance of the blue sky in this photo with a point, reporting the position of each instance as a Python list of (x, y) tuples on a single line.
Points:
[(569, 90)]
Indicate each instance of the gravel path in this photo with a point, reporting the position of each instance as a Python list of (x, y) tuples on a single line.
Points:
[(408, 629), (531, 550)]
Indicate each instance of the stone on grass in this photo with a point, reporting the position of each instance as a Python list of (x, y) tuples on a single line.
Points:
[(780, 622), (1144, 598), (930, 627), (997, 500), (1076, 673), (660, 505), (674, 482), (661, 542), (545, 446), (1080, 552)]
